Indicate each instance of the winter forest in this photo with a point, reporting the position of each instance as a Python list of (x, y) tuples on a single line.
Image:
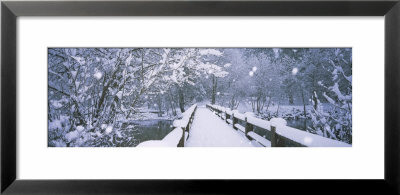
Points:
[(120, 97)]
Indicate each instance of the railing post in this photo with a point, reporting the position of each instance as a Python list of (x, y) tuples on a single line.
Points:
[(234, 121), (248, 128), (189, 125), (182, 140), (273, 136), (276, 139)]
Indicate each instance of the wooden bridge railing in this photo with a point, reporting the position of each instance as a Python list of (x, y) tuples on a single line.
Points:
[(280, 135), (178, 136), (185, 123)]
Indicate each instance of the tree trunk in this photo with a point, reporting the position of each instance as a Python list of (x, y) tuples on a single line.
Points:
[(269, 102), (304, 109), (260, 103), (181, 100), (279, 103), (214, 89), (291, 100), (253, 105), (105, 89), (314, 97), (264, 98), (233, 103), (172, 104), (159, 102), (49, 111)]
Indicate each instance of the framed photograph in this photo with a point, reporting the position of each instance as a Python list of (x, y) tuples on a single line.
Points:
[(199, 97), (138, 97)]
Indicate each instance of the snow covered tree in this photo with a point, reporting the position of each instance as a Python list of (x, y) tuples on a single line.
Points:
[(93, 90), (336, 123)]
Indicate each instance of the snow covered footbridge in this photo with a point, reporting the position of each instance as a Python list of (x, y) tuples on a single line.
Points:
[(214, 126)]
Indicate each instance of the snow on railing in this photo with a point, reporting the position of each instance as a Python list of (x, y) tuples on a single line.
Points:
[(177, 137), (280, 134)]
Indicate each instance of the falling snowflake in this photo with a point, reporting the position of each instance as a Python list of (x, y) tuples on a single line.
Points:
[(98, 75), (251, 73), (218, 93), (294, 71), (254, 69), (109, 129)]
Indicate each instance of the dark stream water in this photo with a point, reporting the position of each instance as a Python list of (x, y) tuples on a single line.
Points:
[(144, 130), (298, 123)]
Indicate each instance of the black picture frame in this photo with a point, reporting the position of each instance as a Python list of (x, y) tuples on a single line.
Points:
[(10, 10)]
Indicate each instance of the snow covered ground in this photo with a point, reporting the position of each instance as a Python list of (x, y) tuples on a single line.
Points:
[(210, 131), (144, 113), (284, 110)]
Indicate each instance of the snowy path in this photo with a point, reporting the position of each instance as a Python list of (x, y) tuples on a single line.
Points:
[(209, 130)]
